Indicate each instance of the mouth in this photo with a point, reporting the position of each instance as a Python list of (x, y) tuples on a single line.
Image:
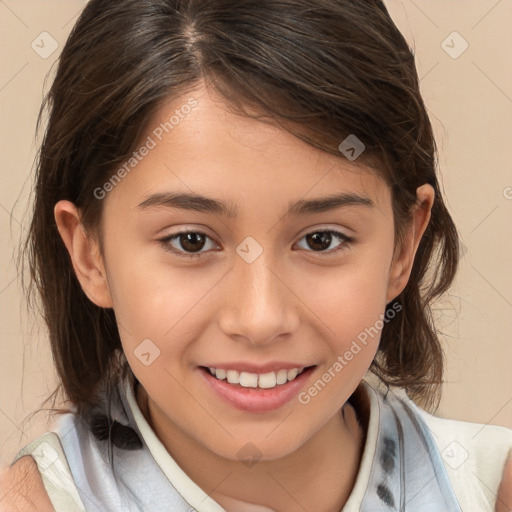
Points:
[(256, 392)]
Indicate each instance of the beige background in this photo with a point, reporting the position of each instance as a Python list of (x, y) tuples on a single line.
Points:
[(469, 99)]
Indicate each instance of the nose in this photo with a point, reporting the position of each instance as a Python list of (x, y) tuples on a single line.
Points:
[(260, 305)]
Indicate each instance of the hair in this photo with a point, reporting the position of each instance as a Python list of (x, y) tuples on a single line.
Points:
[(321, 69)]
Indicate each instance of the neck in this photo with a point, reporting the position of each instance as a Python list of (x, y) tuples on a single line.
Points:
[(328, 463)]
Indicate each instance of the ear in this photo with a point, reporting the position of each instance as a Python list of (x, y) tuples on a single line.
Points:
[(85, 254), (404, 254)]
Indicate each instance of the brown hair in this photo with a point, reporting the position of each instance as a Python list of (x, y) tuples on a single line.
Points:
[(322, 69)]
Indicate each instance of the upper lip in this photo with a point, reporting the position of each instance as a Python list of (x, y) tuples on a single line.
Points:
[(273, 366)]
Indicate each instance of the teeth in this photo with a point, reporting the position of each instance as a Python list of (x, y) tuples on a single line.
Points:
[(281, 376), (267, 380), (255, 380), (233, 377), (248, 380), (220, 374), (292, 373)]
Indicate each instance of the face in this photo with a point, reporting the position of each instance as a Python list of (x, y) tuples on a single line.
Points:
[(270, 277)]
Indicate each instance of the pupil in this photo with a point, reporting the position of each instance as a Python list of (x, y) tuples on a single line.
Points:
[(323, 238), (189, 240)]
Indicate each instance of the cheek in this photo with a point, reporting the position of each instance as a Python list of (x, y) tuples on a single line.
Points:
[(156, 301), (351, 308), (352, 299)]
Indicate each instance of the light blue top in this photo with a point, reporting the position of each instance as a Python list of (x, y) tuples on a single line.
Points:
[(402, 468)]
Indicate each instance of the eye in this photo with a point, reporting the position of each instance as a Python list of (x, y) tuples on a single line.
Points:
[(191, 243), (321, 240)]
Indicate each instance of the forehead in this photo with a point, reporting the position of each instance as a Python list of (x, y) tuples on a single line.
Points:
[(197, 145)]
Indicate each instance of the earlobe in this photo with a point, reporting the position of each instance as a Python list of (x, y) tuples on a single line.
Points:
[(403, 259), (84, 253)]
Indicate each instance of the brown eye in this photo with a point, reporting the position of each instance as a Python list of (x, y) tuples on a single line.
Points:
[(192, 242), (188, 244), (320, 241)]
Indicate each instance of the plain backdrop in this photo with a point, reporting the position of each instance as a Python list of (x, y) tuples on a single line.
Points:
[(463, 52)]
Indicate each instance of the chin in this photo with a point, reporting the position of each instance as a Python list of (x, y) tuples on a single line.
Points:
[(250, 450)]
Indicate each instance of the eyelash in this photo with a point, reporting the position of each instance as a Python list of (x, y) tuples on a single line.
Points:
[(166, 241)]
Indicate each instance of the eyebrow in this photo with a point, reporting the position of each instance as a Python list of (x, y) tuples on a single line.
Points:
[(199, 203)]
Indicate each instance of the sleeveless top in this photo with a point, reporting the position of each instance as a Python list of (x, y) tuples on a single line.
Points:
[(412, 462)]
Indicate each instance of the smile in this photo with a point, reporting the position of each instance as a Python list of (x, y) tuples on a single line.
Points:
[(256, 392), (257, 380)]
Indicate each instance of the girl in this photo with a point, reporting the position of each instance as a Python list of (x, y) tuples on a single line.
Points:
[(237, 216)]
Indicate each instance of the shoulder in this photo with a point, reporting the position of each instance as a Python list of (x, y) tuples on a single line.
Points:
[(504, 501), (22, 488), (477, 458), (464, 439), (39, 479)]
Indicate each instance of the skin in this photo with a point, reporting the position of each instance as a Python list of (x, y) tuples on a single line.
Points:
[(293, 303)]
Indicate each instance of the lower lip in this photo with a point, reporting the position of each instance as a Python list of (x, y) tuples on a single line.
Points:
[(256, 399)]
